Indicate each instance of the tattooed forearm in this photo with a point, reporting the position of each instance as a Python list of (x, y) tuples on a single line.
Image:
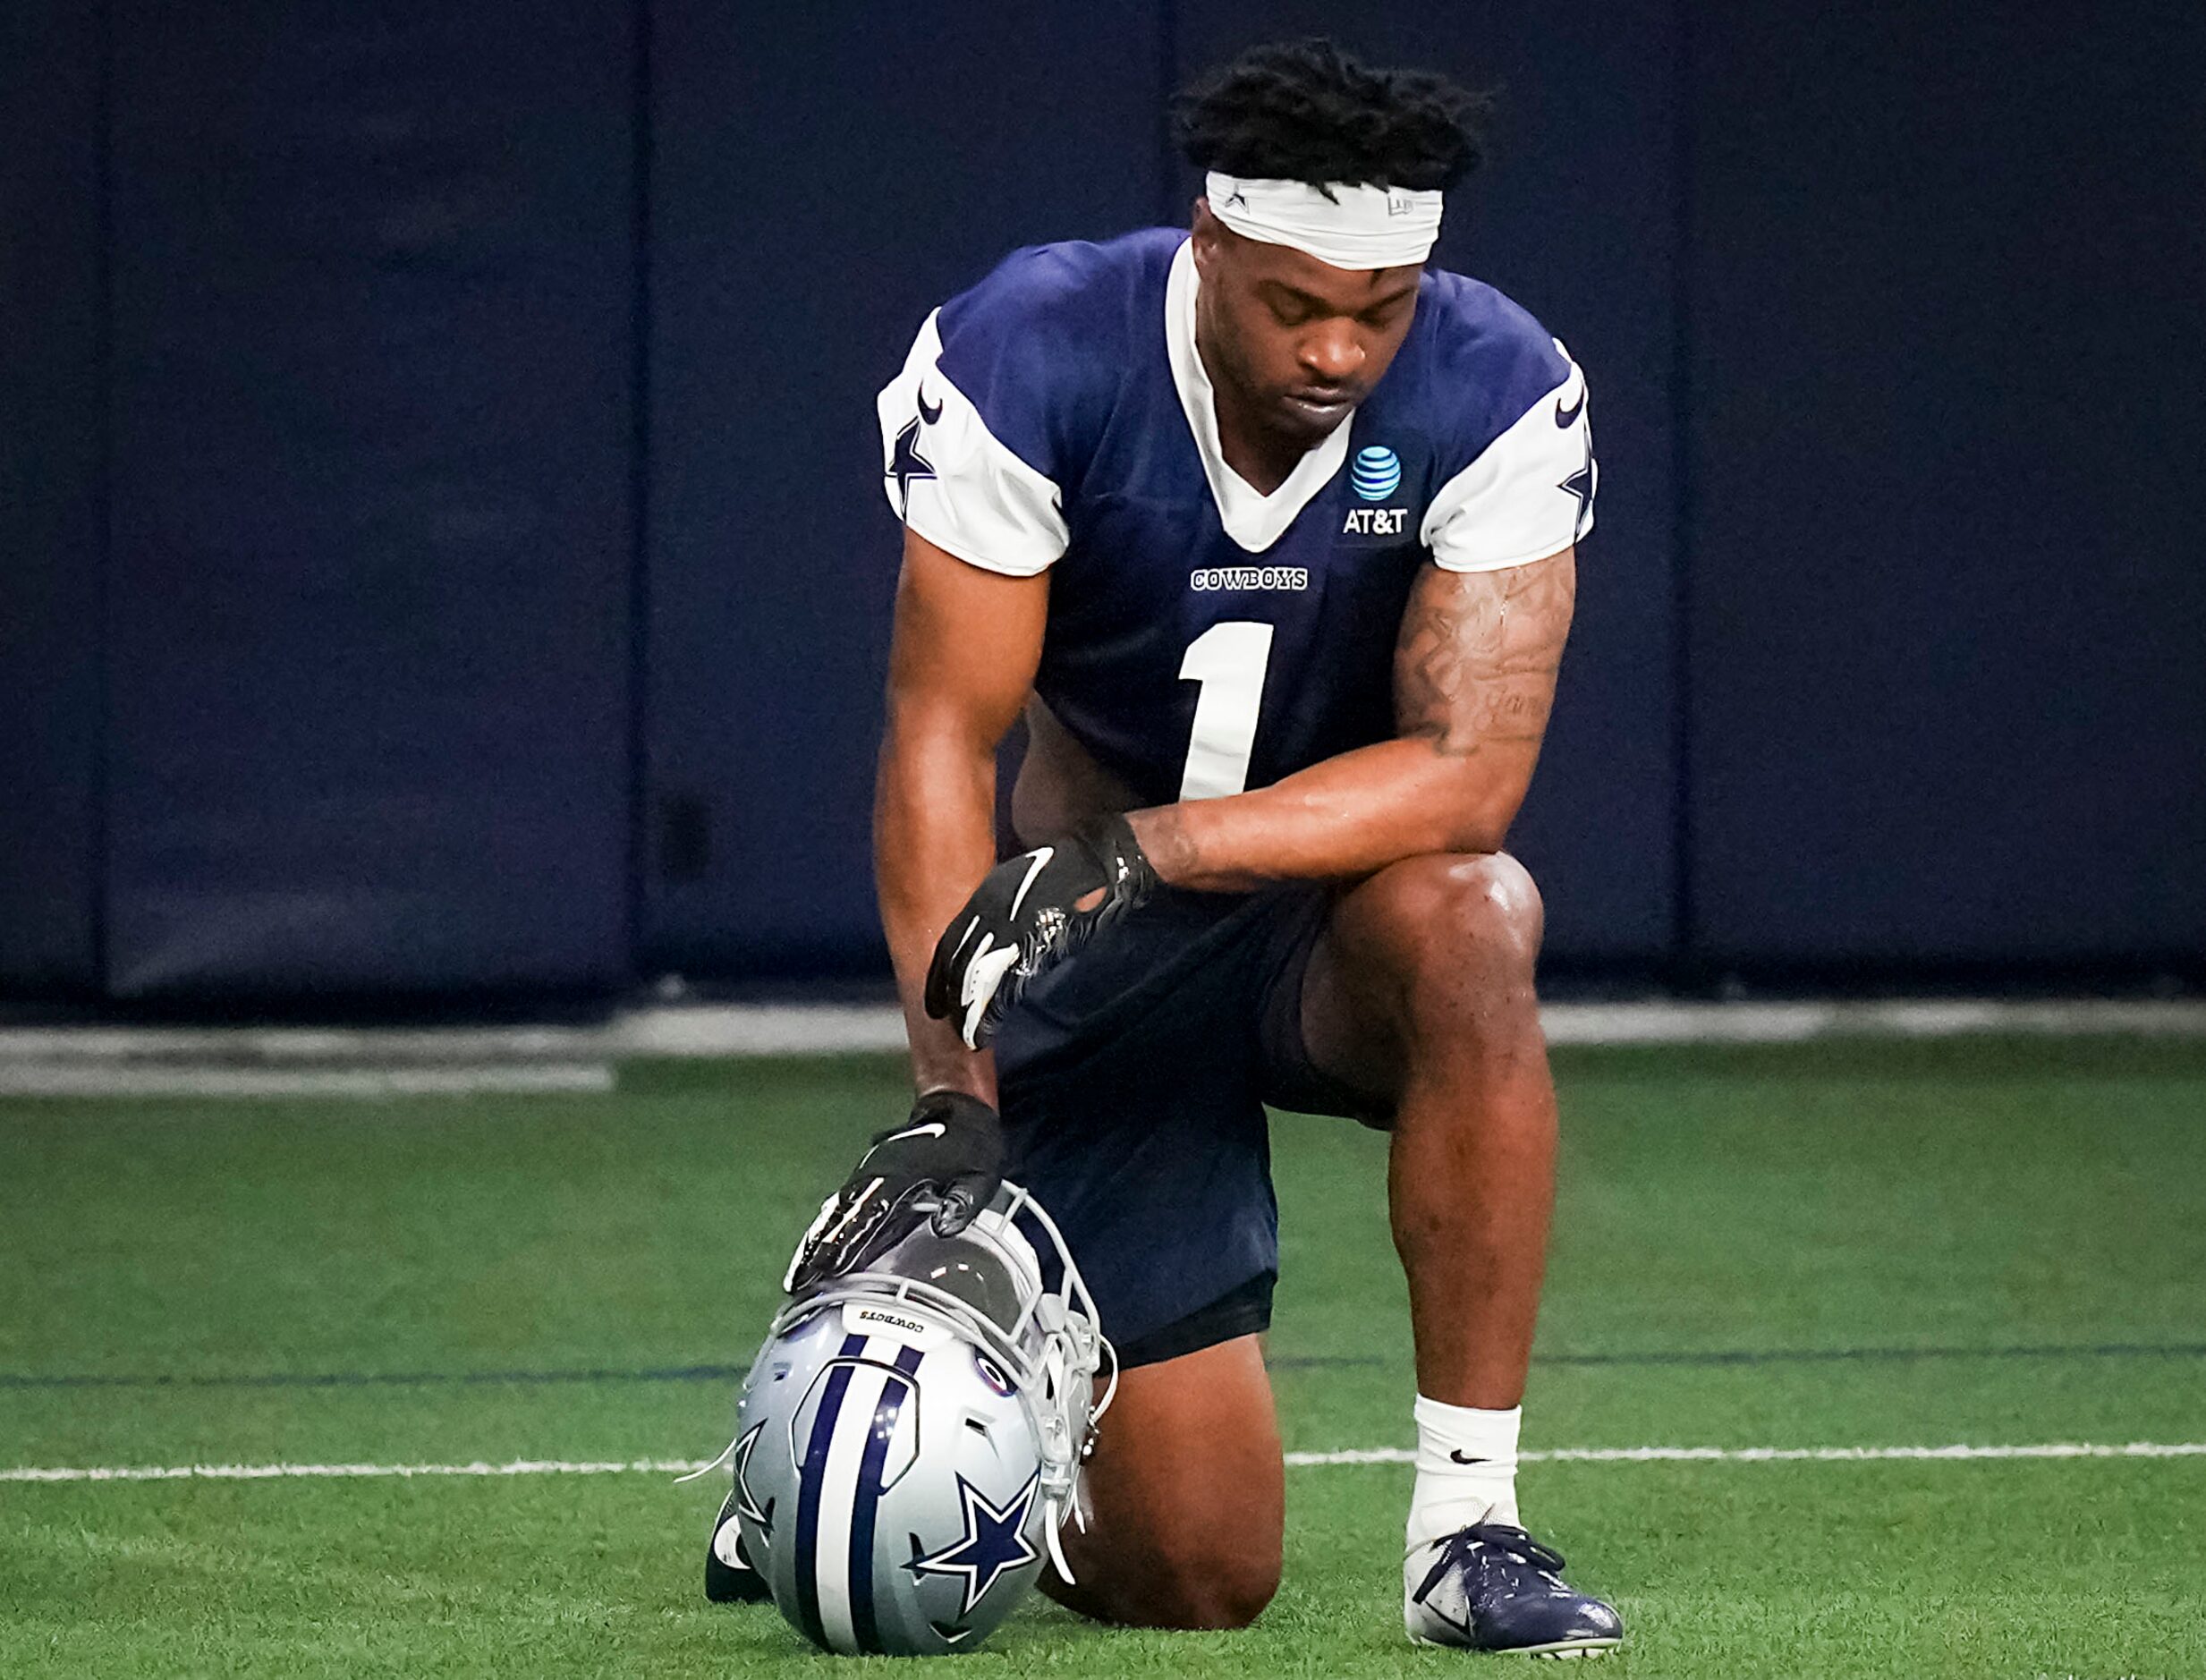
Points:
[(1474, 675), (1478, 655)]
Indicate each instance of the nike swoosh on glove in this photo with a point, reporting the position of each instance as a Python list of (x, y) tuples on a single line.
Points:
[(943, 1164), (1024, 920)]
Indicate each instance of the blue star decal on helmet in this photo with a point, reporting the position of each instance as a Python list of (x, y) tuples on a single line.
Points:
[(746, 1503), (905, 463), (994, 1541)]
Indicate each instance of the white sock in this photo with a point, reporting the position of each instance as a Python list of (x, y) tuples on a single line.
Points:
[(1452, 1493)]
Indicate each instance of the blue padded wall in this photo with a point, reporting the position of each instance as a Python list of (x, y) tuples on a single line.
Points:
[(374, 326), (817, 186), (52, 430), (1947, 613), (441, 543)]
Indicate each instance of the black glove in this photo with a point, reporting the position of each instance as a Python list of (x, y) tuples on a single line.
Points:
[(1021, 922), (943, 1164)]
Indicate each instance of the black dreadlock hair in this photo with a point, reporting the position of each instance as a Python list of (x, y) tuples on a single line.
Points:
[(1306, 111)]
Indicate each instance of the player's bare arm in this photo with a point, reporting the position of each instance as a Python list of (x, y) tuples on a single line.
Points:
[(962, 658), (961, 664), (1475, 670), (1474, 675)]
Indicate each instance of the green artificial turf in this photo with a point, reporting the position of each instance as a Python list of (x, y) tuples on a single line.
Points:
[(1857, 1244)]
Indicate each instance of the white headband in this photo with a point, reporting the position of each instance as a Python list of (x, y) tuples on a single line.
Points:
[(1350, 227)]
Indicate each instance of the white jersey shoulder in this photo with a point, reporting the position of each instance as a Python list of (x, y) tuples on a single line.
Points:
[(1528, 494), (953, 482)]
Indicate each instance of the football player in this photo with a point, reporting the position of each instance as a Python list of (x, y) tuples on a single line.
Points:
[(1268, 531)]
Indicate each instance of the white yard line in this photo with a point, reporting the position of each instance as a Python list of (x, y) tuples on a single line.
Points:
[(1668, 1022), (1783, 1455), (155, 1079), (708, 1029), (310, 1046), (712, 1029), (280, 1472), (1351, 1455), (107, 1061), (791, 1029)]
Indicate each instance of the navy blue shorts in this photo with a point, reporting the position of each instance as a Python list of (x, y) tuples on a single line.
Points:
[(1133, 1081)]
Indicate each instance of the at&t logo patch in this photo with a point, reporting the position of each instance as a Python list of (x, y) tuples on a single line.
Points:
[(1377, 474), (1374, 522)]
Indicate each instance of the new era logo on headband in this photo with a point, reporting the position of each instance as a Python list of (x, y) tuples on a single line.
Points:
[(1398, 203)]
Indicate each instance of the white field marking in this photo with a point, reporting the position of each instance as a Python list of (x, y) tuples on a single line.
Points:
[(293, 1047), (709, 1030), (1671, 1023), (685, 1030), (153, 1079), (1351, 1455), (1782, 1455), (801, 1028), (279, 1472)]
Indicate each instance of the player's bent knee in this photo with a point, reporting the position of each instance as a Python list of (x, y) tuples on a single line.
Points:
[(1496, 906), (1209, 1591), (1462, 910), (1206, 1579)]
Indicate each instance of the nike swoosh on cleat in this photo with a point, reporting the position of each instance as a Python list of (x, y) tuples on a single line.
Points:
[(1041, 856), (1455, 1457)]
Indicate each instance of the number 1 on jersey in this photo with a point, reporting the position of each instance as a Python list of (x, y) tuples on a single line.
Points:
[(1229, 661)]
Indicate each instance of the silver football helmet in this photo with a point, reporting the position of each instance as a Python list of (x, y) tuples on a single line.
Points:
[(910, 1437)]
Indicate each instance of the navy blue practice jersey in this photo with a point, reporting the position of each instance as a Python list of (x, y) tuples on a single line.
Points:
[(1202, 638)]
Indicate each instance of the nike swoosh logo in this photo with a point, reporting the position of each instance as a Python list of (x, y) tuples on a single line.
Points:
[(932, 1129), (983, 976), (1567, 418), (1042, 854), (1455, 1457), (927, 414), (965, 938), (856, 1203)]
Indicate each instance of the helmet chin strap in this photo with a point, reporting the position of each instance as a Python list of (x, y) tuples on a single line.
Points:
[(726, 1453), (1053, 1519)]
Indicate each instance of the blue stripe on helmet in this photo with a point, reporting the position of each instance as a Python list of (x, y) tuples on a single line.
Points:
[(862, 1620), (814, 1473)]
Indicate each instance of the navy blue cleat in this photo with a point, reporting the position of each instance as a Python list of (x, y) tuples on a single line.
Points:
[(1496, 1588)]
